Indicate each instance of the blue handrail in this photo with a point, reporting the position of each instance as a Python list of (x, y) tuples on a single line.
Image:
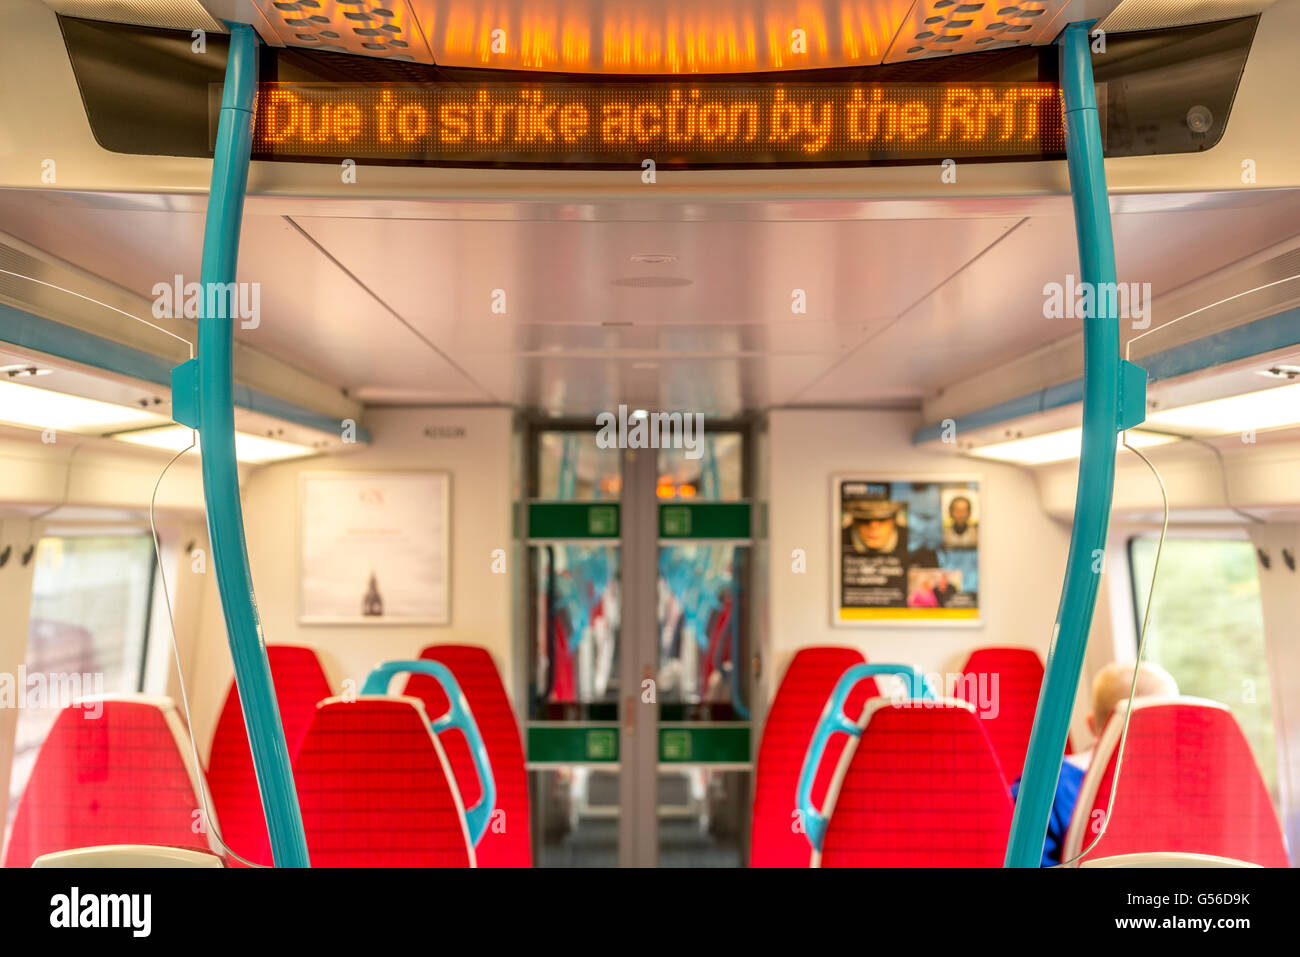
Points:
[(458, 716), (833, 721), (203, 398), (1113, 399)]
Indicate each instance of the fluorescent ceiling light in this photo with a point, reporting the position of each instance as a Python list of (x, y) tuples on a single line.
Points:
[(1058, 446), (248, 448), (1250, 411), (33, 408)]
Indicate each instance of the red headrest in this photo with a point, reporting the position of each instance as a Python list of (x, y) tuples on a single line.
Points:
[(1012, 677), (922, 788), (375, 788), (299, 684), (507, 842), (1188, 783), (775, 840), (123, 777)]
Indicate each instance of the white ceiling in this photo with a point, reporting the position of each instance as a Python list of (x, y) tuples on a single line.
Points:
[(399, 309)]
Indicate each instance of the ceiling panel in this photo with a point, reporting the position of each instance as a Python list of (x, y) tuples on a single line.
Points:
[(436, 271), (798, 336), (993, 310), (719, 303), (399, 310), (721, 387), (312, 314)]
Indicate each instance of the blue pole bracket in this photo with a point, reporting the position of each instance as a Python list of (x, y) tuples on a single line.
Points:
[(185, 394), (204, 399), (1132, 395)]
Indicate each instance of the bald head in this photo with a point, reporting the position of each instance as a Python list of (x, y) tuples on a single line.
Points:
[(1112, 684)]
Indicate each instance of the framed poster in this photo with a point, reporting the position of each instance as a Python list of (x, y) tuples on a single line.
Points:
[(906, 550), (375, 548)]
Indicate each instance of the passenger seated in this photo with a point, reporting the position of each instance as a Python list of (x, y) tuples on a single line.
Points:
[(1110, 687)]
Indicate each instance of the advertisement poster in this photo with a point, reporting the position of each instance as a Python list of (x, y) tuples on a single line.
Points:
[(907, 551), (375, 548)]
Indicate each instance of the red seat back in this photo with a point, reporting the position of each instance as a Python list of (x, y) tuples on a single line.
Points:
[(507, 842), (124, 777), (920, 788), (1009, 680), (299, 684), (1188, 783), (775, 840), (375, 788)]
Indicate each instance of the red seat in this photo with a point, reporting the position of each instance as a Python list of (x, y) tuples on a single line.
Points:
[(299, 684), (507, 841), (775, 838), (1008, 680), (375, 788), (124, 777), (1188, 783), (920, 788)]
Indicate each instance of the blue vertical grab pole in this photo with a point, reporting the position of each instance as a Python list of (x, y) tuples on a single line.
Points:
[(1114, 393), (203, 398)]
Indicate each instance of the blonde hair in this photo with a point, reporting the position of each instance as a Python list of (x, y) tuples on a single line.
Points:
[(1112, 684)]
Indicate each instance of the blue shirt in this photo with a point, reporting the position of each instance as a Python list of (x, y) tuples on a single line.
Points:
[(1067, 795)]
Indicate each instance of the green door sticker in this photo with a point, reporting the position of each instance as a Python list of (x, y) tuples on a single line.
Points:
[(675, 521), (675, 746), (602, 520), (720, 743), (601, 745)]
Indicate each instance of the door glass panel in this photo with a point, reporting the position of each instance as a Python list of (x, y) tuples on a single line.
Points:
[(576, 813), (573, 662), (573, 732), (703, 817), (571, 467), (573, 657), (701, 632), (713, 471), (702, 690)]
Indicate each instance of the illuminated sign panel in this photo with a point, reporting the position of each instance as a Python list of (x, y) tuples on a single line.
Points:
[(676, 124)]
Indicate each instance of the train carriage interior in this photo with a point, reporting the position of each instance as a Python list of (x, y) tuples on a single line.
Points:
[(689, 434)]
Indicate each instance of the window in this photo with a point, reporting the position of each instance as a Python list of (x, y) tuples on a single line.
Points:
[(1207, 629), (572, 467), (712, 471), (91, 599)]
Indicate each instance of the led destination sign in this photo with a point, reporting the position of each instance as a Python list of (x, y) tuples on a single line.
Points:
[(676, 124)]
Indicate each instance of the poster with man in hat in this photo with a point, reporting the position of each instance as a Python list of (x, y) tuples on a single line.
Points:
[(894, 561)]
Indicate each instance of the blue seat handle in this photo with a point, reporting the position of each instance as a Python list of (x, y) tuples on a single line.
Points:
[(833, 721), (458, 716)]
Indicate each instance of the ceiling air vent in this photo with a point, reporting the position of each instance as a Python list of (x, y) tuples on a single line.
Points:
[(940, 27), (379, 28)]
